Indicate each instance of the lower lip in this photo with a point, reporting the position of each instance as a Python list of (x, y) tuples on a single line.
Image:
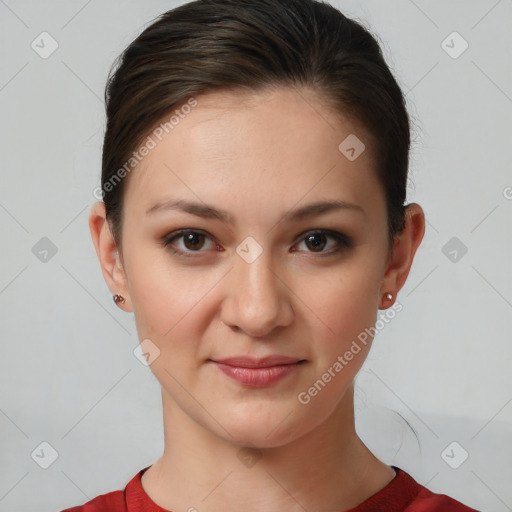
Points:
[(258, 377)]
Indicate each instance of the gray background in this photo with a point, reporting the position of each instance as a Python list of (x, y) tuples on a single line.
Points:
[(68, 373)]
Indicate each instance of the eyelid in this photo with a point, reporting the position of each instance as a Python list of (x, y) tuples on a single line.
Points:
[(343, 241), (169, 238)]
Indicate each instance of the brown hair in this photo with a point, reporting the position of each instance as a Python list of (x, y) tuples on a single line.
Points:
[(210, 45)]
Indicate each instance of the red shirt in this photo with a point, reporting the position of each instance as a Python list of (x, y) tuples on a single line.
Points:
[(402, 494)]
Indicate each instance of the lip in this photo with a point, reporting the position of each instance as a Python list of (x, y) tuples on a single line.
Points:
[(261, 362), (258, 373)]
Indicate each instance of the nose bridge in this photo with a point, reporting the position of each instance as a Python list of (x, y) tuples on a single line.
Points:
[(259, 301), (258, 277)]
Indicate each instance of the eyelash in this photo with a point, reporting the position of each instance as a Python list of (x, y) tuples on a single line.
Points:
[(343, 241)]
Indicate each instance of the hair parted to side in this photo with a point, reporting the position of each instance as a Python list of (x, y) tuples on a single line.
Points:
[(209, 45)]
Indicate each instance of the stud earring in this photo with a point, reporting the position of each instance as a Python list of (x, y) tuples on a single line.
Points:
[(119, 299), (387, 297)]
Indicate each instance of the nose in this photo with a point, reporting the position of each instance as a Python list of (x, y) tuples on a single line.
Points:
[(258, 299)]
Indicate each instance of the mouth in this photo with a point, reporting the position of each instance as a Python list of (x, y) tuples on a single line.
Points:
[(261, 372), (262, 362)]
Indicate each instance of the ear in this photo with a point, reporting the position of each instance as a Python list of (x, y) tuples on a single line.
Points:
[(404, 248), (110, 260)]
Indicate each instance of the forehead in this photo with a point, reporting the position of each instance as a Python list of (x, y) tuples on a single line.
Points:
[(279, 141)]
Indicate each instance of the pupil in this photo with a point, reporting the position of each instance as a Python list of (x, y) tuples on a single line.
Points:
[(318, 244), (191, 240)]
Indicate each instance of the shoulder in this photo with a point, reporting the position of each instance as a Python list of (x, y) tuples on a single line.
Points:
[(116, 501), (404, 494), (111, 502), (425, 500)]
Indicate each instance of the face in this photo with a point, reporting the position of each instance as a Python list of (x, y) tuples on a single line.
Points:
[(241, 265)]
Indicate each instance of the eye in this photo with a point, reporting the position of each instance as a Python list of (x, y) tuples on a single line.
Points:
[(192, 241), (318, 240)]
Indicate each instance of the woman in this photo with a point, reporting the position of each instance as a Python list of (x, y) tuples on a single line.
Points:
[(253, 219)]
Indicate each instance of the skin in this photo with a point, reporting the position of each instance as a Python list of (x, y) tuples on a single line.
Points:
[(258, 156)]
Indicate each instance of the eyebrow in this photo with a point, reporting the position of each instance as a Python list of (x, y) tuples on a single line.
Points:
[(209, 212)]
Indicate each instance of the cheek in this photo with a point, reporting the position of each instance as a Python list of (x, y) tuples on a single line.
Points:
[(164, 296), (173, 307), (345, 302)]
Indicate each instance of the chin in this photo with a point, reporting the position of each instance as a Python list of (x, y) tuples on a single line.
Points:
[(276, 427)]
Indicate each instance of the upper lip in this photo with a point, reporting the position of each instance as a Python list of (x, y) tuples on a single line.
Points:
[(262, 362)]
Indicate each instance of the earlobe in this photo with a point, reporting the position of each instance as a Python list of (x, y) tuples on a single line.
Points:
[(386, 301), (107, 252), (404, 248)]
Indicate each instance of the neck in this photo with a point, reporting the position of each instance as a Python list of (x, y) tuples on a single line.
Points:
[(329, 468)]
